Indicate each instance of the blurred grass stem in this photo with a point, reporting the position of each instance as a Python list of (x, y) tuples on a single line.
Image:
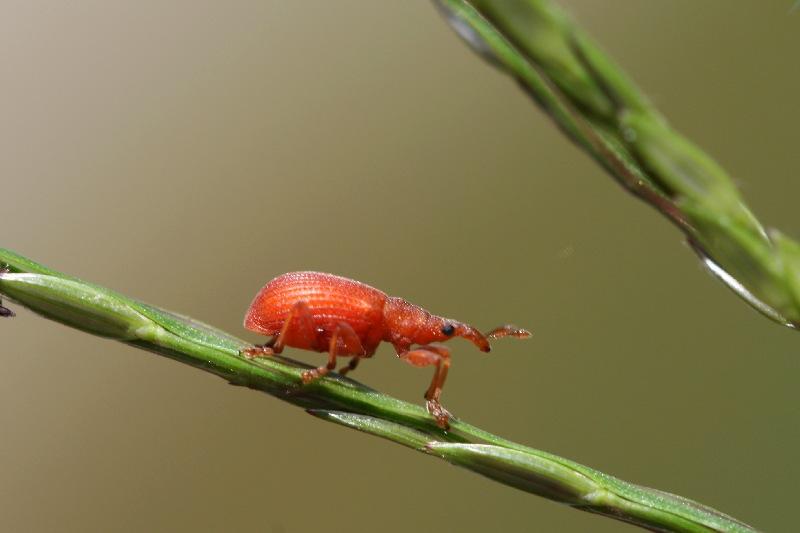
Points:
[(598, 107)]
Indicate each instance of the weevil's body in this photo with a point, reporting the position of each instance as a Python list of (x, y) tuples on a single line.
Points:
[(331, 300), (327, 313)]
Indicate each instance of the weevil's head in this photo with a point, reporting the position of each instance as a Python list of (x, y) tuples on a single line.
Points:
[(447, 329), (441, 329), (408, 324)]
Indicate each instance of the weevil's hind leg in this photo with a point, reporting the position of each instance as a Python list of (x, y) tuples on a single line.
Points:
[(311, 375), (428, 355), (299, 324), (350, 344), (259, 350)]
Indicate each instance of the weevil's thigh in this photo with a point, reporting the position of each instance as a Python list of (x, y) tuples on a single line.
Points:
[(299, 329), (349, 342)]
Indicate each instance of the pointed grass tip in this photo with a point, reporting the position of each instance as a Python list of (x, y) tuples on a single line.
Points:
[(5, 312)]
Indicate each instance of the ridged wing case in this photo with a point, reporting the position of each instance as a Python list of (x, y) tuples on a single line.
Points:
[(331, 299)]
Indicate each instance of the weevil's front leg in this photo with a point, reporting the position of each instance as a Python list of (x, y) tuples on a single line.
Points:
[(350, 344), (299, 324), (427, 355)]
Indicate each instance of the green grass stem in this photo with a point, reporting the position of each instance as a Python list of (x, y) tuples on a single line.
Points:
[(103, 312)]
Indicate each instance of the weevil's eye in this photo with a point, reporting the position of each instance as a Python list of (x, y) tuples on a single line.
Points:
[(449, 329)]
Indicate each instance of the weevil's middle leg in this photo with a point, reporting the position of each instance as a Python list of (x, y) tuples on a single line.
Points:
[(350, 344), (311, 375), (428, 355)]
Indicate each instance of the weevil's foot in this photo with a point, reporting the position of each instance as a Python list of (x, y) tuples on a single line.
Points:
[(439, 413), (255, 352), (312, 375)]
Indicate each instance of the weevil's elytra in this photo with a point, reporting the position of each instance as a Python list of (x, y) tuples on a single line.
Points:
[(328, 313)]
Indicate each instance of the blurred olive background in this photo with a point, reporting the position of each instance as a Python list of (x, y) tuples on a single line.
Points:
[(184, 153)]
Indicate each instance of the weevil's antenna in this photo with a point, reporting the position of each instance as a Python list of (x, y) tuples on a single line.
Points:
[(508, 330), (481, 340), (5, 312), (474, 336)]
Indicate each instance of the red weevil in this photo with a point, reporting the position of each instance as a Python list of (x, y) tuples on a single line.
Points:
[(327, 313)]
